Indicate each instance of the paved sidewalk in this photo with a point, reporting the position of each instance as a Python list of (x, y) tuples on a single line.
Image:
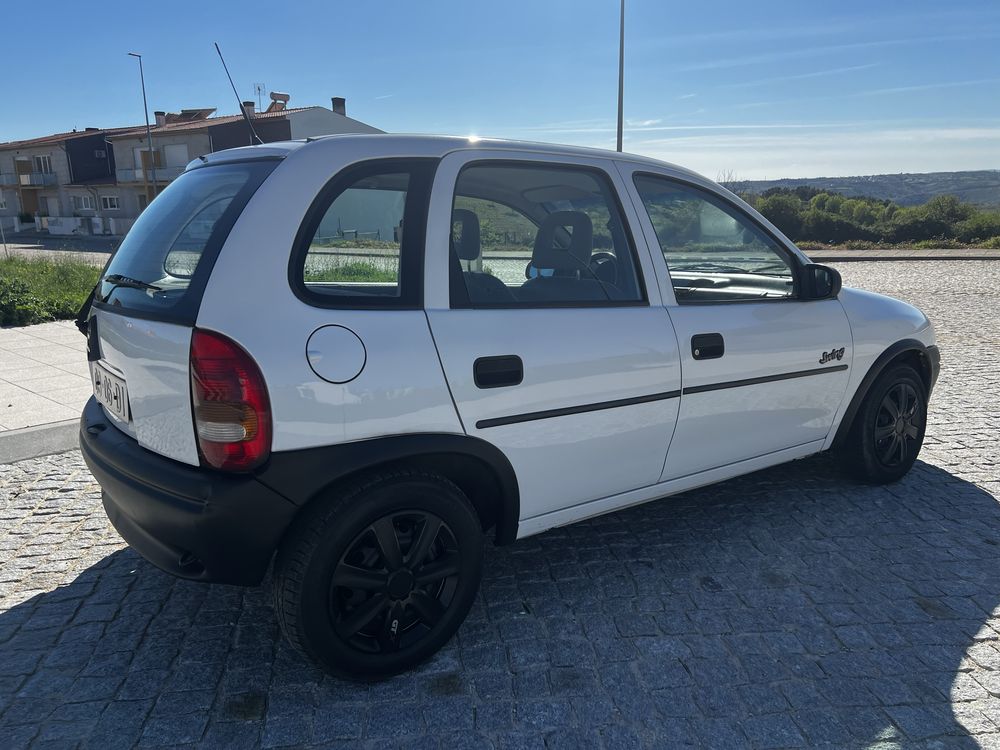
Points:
[(43, 375)]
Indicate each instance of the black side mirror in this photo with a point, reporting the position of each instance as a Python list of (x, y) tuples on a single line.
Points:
[(819, 282)]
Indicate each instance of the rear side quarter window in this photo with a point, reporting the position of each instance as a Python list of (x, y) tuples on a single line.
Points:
[(361, 243)]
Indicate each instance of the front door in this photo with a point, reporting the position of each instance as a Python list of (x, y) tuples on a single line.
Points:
[(554, 348), (763, 371)]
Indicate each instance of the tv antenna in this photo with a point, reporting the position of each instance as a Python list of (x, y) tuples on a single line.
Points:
[(259, 89), (253, 133)]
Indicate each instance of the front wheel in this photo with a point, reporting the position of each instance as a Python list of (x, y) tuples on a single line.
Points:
[(376, 580), (888, 430)]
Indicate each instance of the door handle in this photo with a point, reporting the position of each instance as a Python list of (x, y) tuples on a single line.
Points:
[(498, 372), (707, 346)]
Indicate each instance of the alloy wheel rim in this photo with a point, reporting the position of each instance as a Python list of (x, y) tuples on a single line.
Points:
[(395, 582), (897, 425)]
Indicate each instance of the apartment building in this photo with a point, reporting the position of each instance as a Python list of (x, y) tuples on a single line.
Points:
[(56, 177), (97, 181)]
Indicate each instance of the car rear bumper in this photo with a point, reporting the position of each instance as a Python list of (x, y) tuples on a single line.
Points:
[(192, 522)]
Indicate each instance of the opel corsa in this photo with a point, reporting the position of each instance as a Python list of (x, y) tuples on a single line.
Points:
[(351, 359)]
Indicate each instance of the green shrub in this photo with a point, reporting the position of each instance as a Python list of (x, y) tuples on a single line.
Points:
[(979, 227), (36, 290), (824, 226), (831, 218)]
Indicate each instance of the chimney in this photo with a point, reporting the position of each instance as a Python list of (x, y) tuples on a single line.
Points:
[(248, 106), (339, 105), (161, 118)]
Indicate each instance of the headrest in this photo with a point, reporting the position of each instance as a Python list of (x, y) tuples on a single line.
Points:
[(468, 244), (581, 244)]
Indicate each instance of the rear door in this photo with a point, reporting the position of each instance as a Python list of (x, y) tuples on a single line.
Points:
[(764, 371), (555, 348), (146, 304)]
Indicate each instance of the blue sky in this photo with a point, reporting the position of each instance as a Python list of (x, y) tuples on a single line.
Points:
[(764, 89)]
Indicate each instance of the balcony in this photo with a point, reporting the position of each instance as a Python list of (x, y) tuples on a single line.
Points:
[(8, 179), (36, 179), (163, 174)]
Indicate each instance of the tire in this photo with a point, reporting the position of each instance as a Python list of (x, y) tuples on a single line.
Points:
[(375, 580), (888, 430)]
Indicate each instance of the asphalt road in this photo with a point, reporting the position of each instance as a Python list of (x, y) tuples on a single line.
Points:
[(788, 608)]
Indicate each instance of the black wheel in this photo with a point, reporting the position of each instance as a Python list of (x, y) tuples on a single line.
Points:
[(888, 429), (376, 580)]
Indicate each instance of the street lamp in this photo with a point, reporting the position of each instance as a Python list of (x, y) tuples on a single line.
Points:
[(621, 73), (145, 111)]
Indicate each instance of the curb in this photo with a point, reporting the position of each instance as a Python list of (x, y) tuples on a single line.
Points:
[(42, 440), (876, 258)]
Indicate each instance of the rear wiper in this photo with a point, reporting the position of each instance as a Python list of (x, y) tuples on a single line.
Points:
[(116, 279)]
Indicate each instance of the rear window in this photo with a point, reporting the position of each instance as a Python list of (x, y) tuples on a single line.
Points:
[(163, 264)]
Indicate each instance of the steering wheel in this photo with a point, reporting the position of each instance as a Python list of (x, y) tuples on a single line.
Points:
[(605, 267)]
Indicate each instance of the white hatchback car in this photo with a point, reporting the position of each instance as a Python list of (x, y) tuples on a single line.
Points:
[(354, 356)]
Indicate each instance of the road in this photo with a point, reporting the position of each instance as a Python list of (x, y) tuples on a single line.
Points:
[(788, 608)]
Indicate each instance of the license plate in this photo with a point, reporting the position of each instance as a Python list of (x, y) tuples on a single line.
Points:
[(110, 390)]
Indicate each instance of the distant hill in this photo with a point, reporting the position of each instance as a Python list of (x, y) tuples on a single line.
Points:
[(981, 187)]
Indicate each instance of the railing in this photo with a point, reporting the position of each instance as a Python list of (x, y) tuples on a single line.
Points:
[(8, 179), (37, 179), (163, 174)]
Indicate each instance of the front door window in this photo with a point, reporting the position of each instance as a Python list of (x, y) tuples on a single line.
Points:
[(714, 252)]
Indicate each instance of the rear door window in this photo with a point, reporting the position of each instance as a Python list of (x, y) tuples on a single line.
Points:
[(163, 264)]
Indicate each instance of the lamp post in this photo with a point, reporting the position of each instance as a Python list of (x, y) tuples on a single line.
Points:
[(145, 111), (621, 73)]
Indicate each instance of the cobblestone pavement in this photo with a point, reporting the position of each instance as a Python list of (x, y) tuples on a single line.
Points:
[(784, 609)]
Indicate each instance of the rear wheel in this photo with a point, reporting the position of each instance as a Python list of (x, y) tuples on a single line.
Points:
[(888, 430), (376, 580)]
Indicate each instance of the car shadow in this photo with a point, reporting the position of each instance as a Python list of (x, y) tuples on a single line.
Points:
[(787, 607)]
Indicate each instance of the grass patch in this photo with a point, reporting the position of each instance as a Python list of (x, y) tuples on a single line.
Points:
[(36, 290), (358, 271)]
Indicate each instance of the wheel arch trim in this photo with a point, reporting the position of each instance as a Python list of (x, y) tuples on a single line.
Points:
[(303, 475), (929, 359)]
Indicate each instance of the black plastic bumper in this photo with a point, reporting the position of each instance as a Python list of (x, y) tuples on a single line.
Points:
[(194, 523)]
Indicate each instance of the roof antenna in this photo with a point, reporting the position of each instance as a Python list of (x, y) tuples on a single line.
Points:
[(253, 133)]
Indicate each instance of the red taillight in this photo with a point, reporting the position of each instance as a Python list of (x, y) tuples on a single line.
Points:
[(232, 413)]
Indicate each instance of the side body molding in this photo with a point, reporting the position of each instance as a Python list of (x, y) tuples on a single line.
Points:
[(929, 358), (480, 469)]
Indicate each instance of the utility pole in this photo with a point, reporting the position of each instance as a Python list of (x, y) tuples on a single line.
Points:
[(621, 74), (149, 137)]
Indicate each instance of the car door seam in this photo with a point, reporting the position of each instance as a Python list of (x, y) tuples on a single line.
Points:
[(444, 375)]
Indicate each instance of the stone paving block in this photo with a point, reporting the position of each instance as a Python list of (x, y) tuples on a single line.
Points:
[(788, 608)]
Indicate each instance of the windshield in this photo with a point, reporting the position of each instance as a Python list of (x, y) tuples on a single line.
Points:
[(164, 261)]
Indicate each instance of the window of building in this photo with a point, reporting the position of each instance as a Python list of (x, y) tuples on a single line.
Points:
[(3, 201), (43, 164), (714, 251), (83, 202), (537, 235), (109, 202)]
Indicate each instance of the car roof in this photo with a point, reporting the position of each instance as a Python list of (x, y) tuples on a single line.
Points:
[(430, 146)]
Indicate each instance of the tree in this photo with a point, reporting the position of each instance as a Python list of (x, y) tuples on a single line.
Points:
[(783, 211)]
